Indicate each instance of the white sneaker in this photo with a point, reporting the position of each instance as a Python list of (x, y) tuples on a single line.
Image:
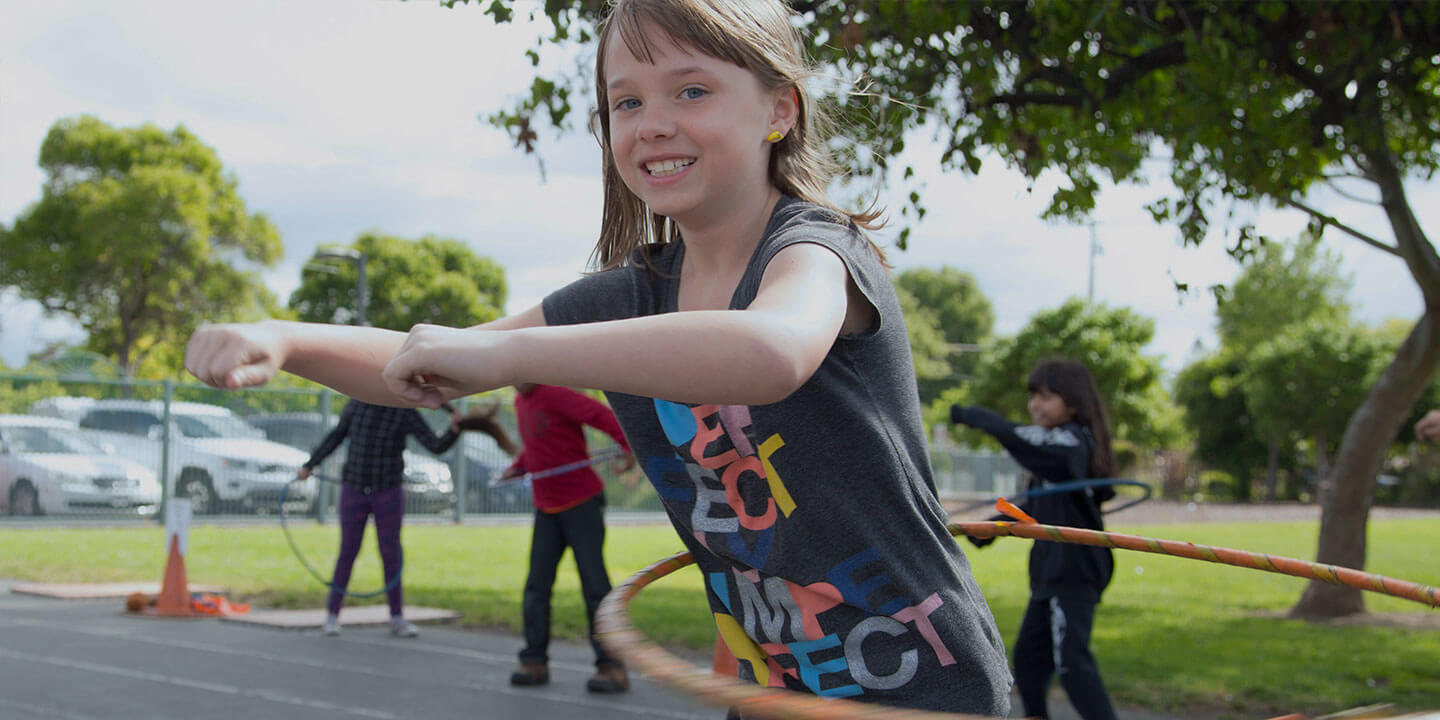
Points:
[(331, 628), (400, 627)]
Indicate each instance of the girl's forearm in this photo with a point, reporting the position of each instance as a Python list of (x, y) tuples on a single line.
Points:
[(724, 357), (350, 359), (344, 357)]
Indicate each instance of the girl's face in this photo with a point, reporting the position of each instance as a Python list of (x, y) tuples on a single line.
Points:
[(1048, 409), (688, 131)]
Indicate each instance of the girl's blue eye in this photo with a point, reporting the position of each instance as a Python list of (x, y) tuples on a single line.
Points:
[(692, 93), (627, 104)]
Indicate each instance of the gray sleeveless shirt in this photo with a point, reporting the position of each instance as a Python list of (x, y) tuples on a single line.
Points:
[(814, 519)]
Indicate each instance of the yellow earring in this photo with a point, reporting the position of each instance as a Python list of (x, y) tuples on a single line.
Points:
[(775, 136)]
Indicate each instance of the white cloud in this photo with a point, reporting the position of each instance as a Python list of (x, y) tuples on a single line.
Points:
[(25, 329)]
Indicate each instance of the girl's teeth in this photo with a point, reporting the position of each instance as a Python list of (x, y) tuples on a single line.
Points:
[(667, 167)]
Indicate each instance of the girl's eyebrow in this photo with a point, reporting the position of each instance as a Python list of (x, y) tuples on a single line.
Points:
[(676, 74)]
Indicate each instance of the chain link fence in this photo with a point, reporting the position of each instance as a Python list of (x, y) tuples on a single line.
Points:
[(116, 449)]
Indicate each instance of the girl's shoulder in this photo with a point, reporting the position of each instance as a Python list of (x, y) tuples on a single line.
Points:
[(799, 221), (795, 220), (798, 210)]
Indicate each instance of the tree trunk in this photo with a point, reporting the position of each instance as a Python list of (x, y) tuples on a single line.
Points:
[(1322, 454), (1371, 430), (1324, 479), (1374, 425)]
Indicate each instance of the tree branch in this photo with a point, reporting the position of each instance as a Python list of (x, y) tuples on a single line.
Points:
[(1017, 99), (1332, 220), (1167, 55), (1329, 182), (1136, 67), (1411, 243)]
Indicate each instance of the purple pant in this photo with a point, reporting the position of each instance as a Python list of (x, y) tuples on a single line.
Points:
[(388, 507)]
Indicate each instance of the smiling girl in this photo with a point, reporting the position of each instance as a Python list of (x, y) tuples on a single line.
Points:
[(749, 340)]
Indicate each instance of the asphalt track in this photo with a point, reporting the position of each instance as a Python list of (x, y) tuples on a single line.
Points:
[(88, 660)]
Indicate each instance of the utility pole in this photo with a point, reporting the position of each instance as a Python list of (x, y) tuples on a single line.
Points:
[(1094, 250)]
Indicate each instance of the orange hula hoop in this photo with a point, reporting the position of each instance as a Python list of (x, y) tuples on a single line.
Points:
[(1333, 574), (618, 633)]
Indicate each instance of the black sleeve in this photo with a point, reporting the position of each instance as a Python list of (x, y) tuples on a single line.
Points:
[(1055, 454), (332, 440), (416, 425)]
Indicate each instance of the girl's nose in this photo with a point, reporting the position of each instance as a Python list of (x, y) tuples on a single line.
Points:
[(655, 124)]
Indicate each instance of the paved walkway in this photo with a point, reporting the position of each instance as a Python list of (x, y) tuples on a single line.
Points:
[(87, 659)]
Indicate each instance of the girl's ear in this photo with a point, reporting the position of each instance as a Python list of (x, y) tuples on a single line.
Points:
[(786, 111)]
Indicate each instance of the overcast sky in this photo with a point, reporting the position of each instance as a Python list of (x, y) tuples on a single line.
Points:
[(340, 116)]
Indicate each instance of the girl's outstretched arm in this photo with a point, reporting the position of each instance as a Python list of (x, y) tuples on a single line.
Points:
[(1054, 454), (345, 357), (752, 357)]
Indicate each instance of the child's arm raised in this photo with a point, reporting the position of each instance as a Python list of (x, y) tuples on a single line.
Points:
[(755, 356), (1055, 454)]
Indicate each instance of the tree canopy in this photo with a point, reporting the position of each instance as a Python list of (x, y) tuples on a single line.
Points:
[(959, 318), (965, 314), (1282, 284), (137, 235), (1108, 342), (1209, 392), (1305, 383), (430, 280)]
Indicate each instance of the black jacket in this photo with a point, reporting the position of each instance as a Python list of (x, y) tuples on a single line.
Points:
[(1052, 456), (375, 459)]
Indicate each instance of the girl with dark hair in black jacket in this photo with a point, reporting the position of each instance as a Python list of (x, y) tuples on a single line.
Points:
[(1068, 440)]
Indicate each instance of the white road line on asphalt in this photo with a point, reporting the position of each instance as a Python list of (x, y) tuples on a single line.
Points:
[(213, 687), (507, 690), (503, 689), (506, 660), (624, 707), (38, 711)]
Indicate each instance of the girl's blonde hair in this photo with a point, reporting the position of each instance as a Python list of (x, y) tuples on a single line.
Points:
[(757, 36)]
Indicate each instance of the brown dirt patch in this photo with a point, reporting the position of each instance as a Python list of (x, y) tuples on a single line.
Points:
[(1419, 621)]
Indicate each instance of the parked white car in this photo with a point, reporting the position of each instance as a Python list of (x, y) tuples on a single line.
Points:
[(217, 460), (48, 466), (64, 407)]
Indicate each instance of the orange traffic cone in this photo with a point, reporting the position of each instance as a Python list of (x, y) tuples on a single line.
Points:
[(174, 599)]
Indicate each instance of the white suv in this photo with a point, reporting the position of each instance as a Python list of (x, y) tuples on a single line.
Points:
[(216, 459)]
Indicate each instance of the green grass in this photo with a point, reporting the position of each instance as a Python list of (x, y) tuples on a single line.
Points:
[(1172, 635)]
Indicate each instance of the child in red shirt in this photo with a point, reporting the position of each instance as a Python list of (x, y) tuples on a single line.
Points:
[(569, 512)]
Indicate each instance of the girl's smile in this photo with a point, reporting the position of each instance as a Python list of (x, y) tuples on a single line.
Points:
[(667, 168)]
